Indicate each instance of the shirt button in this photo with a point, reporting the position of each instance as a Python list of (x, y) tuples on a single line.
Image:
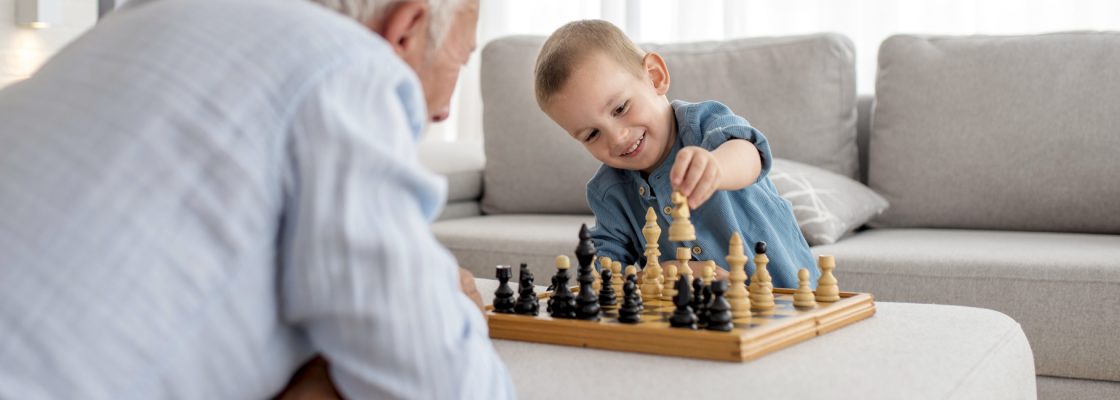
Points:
[(697, 250), (641, 190), (668, 210)]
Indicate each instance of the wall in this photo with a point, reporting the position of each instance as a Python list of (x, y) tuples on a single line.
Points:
[(23, 50)]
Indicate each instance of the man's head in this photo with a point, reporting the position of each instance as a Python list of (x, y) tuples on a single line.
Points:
[(607, 93), (434, 37)]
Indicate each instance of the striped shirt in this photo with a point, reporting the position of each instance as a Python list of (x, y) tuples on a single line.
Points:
[(196, 196), (619, 198)]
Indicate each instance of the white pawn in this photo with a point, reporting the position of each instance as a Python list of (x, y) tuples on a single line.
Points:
[(803, 297), (827, 289), (616, 276)]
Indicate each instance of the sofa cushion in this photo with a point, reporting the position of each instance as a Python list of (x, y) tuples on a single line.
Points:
[(827, 205), (800, 91), (1012, 132), (1063, 288), (460, 163)]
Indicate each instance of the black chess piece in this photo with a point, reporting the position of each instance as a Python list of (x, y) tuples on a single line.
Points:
[(682, 316), (527, 302), (760, 247), (562, 304), (719, 310), (630, 312), (503, 297), (697, 303), (607, 296), (587, 302), (637, 294)]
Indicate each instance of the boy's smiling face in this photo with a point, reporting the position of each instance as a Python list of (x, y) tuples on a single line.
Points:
[(625, 121)]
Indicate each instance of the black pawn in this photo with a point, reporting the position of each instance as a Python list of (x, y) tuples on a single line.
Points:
[(562, 304), (587, 302), (683, 316), (527, 302), (630, 313), (606, 294), (760, 247), (503, 297), (719, 311), (697, 303), (637, 294)]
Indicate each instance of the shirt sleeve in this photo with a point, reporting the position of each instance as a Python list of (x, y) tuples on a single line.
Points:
[(362, 273), (718, 124)]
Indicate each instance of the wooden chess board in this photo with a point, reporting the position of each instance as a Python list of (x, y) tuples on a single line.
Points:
[(762, 334)]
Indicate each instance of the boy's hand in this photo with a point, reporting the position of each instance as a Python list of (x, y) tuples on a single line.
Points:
[(695, 174)]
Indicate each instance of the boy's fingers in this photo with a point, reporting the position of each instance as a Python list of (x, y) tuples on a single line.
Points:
[(680, 166), (695, 174)]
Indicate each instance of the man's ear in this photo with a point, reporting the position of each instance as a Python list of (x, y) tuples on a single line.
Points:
[(657, 71), (405, 26)]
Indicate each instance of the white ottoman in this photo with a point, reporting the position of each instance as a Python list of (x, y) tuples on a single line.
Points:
[(905, 351)]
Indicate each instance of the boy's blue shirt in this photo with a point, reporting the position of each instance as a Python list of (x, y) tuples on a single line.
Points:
[(619, 198)]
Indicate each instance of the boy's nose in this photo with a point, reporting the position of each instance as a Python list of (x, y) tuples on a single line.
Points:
[(620, 141)]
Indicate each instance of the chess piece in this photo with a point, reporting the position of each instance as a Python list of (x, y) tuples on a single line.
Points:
[(737, 292), (651, 279), (503, 297), (597, 284), (562, 304), (827, 289), (684, 272), (669, 289), (698, 304), (803, 297), (616, 276), (587, 301), (682, 316), (637, 293), (630, 312), (719, 310), (527, 302), (681, 229), (607, 296), (762, 290)]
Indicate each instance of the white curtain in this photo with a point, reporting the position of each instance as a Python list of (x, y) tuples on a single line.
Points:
[(866, 22)]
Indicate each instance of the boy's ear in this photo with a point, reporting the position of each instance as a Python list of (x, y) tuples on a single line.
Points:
[(657, 71), (405, 26)]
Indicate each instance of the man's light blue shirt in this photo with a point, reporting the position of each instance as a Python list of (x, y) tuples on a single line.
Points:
[(198, 195), (619, 198)]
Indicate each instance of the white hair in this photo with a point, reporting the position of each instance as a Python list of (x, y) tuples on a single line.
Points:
[(440, 13)]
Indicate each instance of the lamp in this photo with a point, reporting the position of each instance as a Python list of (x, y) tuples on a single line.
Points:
[(36, 13)]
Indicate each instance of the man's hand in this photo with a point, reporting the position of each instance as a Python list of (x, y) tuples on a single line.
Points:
[(695, 174), (466, 283)]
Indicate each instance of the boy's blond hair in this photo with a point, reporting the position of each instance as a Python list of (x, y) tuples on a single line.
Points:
[(572, 44)]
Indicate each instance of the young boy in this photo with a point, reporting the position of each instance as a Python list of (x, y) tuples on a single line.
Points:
[(610, 95)]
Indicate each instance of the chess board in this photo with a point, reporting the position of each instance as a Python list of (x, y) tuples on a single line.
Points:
[(762, 334)]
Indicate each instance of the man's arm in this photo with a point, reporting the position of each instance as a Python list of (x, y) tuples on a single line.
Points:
[(362, 273)]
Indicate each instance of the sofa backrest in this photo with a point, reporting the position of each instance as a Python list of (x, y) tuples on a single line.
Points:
[(799, 91), (988, 132)]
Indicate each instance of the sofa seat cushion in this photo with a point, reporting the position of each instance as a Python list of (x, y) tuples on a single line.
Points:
[(480, 243), (1063, 288)]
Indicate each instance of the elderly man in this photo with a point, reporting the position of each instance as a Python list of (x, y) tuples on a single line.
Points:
[(198, 196)]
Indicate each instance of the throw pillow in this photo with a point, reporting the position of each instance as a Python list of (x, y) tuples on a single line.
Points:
[(827, 205)]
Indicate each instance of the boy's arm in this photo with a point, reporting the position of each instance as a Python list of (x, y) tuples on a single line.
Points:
[(697, 173)]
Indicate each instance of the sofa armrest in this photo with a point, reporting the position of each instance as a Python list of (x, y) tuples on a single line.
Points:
[(462, 164)]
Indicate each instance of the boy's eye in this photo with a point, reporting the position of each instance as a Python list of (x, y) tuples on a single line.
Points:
[(621, 109), (591, 135)]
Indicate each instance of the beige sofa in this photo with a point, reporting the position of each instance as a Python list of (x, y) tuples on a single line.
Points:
[(999, 156)]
